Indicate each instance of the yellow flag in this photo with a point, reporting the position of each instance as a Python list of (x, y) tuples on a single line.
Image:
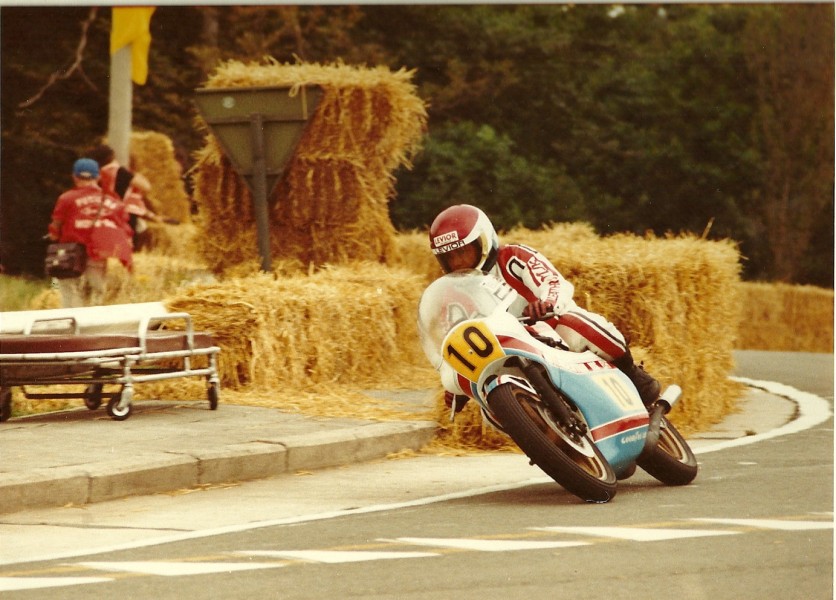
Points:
[(133, 26)]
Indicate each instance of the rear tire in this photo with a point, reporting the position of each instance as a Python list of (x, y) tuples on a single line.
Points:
[(93, 396), (576, 464), (672, 461)]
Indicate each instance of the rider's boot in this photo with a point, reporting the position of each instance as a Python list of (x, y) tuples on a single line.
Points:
[(647, 385)]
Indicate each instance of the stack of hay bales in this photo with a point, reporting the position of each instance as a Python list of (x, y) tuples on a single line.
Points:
[(347, 324), (779, 316), (153, 155), (331, 205)]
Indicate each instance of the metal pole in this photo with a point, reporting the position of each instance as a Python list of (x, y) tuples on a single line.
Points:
[(121, 101), (260, 190)]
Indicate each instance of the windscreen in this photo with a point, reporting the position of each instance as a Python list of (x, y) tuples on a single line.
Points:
[(457, 297)]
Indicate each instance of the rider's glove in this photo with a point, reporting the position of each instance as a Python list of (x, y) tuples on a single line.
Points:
[(538, 309), (460, 400)]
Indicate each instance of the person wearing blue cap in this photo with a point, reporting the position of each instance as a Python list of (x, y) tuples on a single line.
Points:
[(88, 215)]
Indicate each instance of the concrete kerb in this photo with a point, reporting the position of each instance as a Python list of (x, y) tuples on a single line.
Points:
[(189, 468), (358, 444)]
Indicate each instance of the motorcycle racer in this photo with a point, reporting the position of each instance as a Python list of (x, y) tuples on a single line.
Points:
[(462, 237)]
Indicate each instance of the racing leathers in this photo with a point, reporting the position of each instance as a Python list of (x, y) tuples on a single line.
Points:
[(535, 278)]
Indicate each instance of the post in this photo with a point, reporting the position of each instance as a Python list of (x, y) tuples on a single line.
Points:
[(260, 190), (121, 98)]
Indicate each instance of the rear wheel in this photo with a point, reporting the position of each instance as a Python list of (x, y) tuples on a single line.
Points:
[(93, 396), (672, 461), (572, 460)]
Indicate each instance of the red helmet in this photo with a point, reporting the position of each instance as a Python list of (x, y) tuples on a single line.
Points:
[(463, 225)]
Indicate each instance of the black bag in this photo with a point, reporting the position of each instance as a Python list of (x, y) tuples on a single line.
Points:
[(65, 261)]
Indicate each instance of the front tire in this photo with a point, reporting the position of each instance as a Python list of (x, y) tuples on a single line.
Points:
[(573, 462), (124, 397), (672, 461)]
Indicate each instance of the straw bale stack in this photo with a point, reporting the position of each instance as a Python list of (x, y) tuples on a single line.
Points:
[(331, 205), (350, 324), (779, 316), (152, 154)]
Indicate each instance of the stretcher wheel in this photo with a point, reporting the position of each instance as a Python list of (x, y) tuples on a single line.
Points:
[(213, 393), (93, 396), (120, 414), (5, 403)]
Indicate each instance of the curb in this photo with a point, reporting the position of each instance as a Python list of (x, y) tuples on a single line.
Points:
[(170, 471)]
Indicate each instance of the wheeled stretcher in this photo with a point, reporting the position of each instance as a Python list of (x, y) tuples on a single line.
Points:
[(40, 355)]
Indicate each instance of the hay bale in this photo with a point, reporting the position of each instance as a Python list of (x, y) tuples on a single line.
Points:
[(153, 155), (351, 324), (331, 205), (780, 316)]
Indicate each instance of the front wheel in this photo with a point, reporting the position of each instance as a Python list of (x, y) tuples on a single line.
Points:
[(571, 460), (119, 406), (672, 461)]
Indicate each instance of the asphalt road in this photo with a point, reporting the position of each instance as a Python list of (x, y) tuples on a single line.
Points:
[(757, 522)]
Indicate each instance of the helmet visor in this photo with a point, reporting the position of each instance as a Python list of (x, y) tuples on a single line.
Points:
[(465, 257)]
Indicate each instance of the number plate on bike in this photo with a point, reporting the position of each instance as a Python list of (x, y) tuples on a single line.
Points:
[(470, 347)]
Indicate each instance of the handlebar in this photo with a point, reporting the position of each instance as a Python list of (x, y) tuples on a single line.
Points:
[(531, 320)]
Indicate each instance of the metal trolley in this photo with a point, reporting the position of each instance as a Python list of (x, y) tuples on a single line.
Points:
[(41, 356)]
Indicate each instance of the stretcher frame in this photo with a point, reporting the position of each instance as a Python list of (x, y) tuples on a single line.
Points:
[(122, 359)]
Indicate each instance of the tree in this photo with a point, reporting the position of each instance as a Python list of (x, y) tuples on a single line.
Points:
[(790, 50), (473, 164)]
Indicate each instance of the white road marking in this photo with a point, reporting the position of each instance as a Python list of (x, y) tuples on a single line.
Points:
[(784, 525), (9, 584), (180, 568), (637, 534), (485, 545), (174, 569), (335, 556), (812, 410)]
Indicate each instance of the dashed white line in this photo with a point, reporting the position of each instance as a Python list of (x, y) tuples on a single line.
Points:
[(782, 525), (335, 556), (485, 545), (175, 569), (638, 534), (10, 584)]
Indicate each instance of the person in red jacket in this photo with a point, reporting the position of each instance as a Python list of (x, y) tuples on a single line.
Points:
[(131, 186), (462, 237), (88, 215)]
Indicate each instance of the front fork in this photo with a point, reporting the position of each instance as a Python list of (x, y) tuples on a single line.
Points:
[(657, 410), (551, 398)]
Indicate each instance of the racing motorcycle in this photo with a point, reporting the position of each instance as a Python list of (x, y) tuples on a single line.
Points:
[(575, 415)]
